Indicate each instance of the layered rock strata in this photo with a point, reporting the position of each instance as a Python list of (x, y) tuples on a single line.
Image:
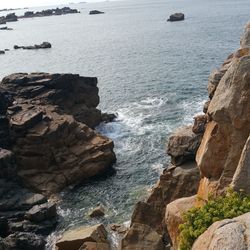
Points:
[(50, 116)]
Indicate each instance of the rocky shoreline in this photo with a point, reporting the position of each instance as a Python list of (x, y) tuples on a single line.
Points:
[(207, 158), (47, 143)]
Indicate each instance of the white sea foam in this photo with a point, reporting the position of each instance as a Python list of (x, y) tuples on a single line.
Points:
[(158, 167)]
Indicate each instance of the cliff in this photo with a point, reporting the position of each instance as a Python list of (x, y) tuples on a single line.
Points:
[(47, 142), (208, 158)]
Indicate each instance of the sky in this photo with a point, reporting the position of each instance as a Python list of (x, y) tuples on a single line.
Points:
[(31, 3)]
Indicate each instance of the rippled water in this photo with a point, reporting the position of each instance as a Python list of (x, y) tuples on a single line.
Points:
[(152, 73)]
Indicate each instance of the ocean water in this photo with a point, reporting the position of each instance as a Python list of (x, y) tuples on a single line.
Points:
[(152, 74)]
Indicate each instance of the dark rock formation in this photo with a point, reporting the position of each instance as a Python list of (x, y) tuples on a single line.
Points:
[(95, 12), (50, 12), (176, 17), (18, 230), (108, 117), (11, 17), (44, 45), (5, 28), (2, 52), (97, 212), (49, 119), (2, 20), (183, 145)]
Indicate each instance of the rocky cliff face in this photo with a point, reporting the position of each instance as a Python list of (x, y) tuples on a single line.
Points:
[(222, 156), (50, 120)]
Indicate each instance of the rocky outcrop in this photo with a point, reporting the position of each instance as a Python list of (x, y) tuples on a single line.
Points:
[(183, 145), (11, 17), (75, 239), (241, 178), (95, 12), (148, 240), (44, 45), (5, 28), (50, 139), (176, 17), (50, 12), (175, 182), (97, 212), (229, 114), (228, 234), (20, 226), (173, 216)]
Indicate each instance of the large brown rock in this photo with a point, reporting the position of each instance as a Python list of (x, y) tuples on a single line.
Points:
[(75, 238), (183, 145), (227, 234), (174, 183), (173, 217), (228, 129), (49, 120), (141, 236), (241, 178)]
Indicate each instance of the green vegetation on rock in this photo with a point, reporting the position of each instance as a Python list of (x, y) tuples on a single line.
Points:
[(198, 219)]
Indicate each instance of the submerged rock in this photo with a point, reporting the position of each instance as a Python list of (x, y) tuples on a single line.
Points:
[(75, 238), (97, 212), (176, 17), (2, 52), (95, 12)]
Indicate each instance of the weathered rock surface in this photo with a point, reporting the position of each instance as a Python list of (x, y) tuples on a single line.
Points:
[(245, 40), (176, 17), (95, 12), (52, 144), (183, 145), (175, 182), (23, 241), (75, 238), (44, 45), (136, 240), (229, 234), (241, 178), (18, 230), (200, 122), (227, 130), (173, 217)]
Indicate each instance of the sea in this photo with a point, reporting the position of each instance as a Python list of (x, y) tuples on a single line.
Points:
[(152, 74)]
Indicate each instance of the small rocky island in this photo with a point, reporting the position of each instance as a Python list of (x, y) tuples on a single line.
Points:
[(176, 17), (95, 12), (50, 12), (44, 45)]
